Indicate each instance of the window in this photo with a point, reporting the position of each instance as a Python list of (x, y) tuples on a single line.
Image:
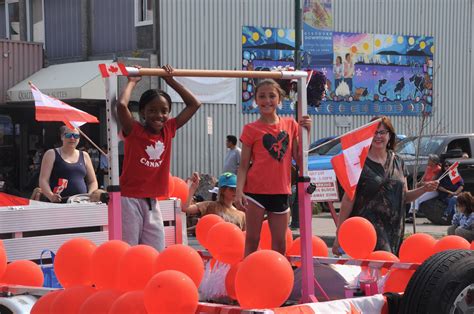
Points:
[(143, 12), (37, 21), (12, 15)]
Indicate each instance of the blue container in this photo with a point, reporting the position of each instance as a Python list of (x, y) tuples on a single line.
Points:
[(50, 279)]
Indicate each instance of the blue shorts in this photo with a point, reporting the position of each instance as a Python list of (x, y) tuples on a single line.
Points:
[(275, 203)]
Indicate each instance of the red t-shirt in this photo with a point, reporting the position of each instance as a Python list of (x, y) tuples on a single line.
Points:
[(146, 164), (270, 170), (431, 173)]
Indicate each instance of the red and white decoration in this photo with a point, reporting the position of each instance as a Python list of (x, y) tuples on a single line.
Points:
[(349, 164), (107, 70), (454, 173), (48, 108)]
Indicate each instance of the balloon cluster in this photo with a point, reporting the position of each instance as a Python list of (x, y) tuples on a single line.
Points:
[(20, 272), (358, 238), (117, 278)]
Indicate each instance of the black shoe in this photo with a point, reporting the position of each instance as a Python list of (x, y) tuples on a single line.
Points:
[(409, 220)]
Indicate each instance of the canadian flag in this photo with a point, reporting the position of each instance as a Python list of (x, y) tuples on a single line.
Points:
[(48, 108), (454, 173), (349, 164), (112, 69)]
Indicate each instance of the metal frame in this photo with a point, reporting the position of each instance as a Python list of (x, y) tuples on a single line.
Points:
[(115, 221)]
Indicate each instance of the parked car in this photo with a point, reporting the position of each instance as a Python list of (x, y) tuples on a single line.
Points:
[(446, 146), (450, 147)]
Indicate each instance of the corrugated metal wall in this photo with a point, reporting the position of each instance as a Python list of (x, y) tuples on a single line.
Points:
[(112, 28), (63, 28), (18, 61), (207, 34)]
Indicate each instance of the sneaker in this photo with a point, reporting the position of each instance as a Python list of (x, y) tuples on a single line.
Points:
[(409, 220)]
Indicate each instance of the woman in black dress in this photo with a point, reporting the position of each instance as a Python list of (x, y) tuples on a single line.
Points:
[(382, 191)]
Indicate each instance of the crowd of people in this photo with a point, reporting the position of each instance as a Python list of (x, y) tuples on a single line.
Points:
[(256, 181)]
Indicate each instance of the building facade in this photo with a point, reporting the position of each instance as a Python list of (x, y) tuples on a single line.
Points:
[(206, 34)]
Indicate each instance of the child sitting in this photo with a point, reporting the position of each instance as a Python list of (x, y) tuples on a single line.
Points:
[(463, 218)]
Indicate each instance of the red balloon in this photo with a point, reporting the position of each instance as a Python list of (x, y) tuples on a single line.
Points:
[(71, 299), (182, 258), (383, 256), (181, 189), (136, 267), (24, 273), (73, 262), (397, 280), (417, 248), (43, 305), (472, 245), (105, 263), (130, 303), (319, 248), (99, 303), (266, 238), (264, 280), (171, 291), (230, 281), (451, 242), (3, 259), (226, 242), (357, 237), (204, 225)]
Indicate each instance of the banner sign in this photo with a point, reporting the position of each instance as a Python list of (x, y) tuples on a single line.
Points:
[(326, 185)]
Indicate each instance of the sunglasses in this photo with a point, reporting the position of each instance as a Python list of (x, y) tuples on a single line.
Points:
[(72, 135)]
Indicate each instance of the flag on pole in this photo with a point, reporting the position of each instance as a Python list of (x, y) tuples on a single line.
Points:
[(48, 108), (454, 173), (107, 70), (349, 164)]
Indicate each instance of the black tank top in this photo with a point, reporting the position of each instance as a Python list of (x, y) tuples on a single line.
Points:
[(75, 173)]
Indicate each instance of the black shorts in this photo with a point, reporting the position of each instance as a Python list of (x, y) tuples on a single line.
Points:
[(275, 203)]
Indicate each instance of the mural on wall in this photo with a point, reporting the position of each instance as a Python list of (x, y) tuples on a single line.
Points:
[(367, 74), (370, 74)]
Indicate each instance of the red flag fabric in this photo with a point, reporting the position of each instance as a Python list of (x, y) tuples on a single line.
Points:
[(11, 200), (48, 108), (107, 70), (349, 164), (454, 173)]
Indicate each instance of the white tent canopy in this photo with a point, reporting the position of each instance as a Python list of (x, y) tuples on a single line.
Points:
[(78, 80)]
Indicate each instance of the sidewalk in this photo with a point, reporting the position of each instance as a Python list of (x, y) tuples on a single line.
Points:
[(325, 228)]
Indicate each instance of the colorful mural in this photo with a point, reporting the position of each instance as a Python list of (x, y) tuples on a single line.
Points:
[(367, 74)]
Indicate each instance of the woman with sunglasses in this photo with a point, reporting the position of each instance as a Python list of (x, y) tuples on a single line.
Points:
[(66, 171), (382, 191)]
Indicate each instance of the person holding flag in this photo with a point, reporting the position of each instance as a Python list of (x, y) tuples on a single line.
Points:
[(66, 171), (450, 185), (374, 179)]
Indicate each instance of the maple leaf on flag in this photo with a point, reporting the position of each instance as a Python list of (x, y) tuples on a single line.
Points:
[(106, 70), (355, 148), (113, 68)]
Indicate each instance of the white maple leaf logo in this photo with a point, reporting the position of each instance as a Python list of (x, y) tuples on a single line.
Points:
[(154, 152)]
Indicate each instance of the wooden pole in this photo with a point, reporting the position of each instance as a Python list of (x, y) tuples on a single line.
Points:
[(132, 71)]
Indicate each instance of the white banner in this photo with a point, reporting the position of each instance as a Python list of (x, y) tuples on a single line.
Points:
[(326, 185), (211, 90)]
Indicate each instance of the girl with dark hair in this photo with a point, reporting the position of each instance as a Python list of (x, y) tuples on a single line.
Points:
[(382, 191), (146, 164), (464, 217)]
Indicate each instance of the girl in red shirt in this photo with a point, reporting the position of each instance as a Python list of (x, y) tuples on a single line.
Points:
[(263, 180), (146, 164)]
